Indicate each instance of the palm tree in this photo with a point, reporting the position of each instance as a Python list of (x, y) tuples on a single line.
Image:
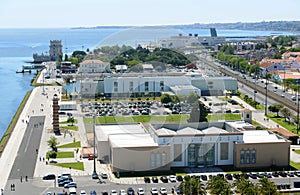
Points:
[(219, 186), (245, 187), (286, 113), (192, 185), (267, 187)]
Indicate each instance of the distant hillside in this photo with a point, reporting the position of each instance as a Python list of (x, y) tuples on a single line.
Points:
[(288, 26)]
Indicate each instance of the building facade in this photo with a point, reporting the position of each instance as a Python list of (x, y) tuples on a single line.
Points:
[(94, 66)]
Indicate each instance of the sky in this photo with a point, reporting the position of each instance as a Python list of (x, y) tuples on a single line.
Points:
[(89, 13)]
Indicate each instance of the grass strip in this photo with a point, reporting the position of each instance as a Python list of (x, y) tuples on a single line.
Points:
[(71, 145), (71, 165), (62, 154)]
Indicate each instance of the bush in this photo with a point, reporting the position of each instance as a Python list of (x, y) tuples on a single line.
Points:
[(52, 155)]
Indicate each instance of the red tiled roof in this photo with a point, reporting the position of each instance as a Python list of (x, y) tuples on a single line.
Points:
[(283, 132)]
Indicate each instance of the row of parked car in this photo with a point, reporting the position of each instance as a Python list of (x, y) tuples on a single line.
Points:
[(252, 175), (164, 179)]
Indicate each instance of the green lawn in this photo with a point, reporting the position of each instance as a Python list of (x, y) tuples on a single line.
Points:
[(281, 121), (71, 145), (62, 154), (65, 122), (227, 116), (182, 118), (73, 128), (295, 165), (72, 165)]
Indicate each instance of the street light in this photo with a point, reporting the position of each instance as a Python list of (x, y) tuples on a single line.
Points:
[(94, 157), (266, 99)]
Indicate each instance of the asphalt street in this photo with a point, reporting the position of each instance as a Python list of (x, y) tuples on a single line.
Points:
[(25, 161)]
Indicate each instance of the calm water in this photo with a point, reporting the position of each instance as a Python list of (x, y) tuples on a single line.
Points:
[(18, 45)]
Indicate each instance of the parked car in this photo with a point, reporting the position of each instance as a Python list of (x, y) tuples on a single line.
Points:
[(49, 177), (164, 179), (253, 175), (93, 192), (82, 192), (130, 191), (104, 175), (154, 180), (172, 178), (147, 180), (140, 191), (163, 191), (179, 178), (71, 184), (95, 175), (113, 192), (178, 191), (122, 192), (154, 191)]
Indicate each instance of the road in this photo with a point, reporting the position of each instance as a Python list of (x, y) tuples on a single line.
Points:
[(25, 161)]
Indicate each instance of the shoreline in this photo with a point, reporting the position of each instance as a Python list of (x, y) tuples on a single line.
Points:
[(11, 127)]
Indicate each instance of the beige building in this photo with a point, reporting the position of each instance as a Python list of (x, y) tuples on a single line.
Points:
[(261, 148), (132, 147), (128, 147)]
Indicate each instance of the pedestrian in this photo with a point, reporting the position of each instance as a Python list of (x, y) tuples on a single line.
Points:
[(21, 179), (2, 191), (43, 159), (26, 178), (11, 187), (14, 187), (40, 158)]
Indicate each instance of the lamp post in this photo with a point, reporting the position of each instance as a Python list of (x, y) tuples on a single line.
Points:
[(94, 157), (297, 106), (266, 99)]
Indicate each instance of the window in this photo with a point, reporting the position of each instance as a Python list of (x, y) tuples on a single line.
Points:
[(130, 86), (146, 86), (158, 160), (152, 160), (242, 157), (161, 84), (177, 152), (115, 86), (253, 156), (224, 151), (164, 159), (248, 156)]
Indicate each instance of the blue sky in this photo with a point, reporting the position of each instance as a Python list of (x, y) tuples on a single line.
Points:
[(72, 13)]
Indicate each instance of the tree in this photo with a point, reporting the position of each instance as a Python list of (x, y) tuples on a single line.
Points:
[(198, 113), (219, 186), (192, 185), (266, 187), (192, 98), (71, 120), (52, 143), (165, 98), (275, 108), (286, 113), (245, 187)]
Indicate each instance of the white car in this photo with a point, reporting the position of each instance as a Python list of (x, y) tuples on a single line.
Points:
[(140, 191), (123, 192), (113, 192), (163, 191), (154, 191), (104, 175), (172, 178), (82, 192)]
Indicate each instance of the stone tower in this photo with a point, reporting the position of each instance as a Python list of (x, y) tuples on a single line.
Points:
[(55, 49), (55, 122)]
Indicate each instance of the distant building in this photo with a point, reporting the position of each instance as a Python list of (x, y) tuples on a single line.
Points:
[(55, 51), (68, 67), (94, 66)]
